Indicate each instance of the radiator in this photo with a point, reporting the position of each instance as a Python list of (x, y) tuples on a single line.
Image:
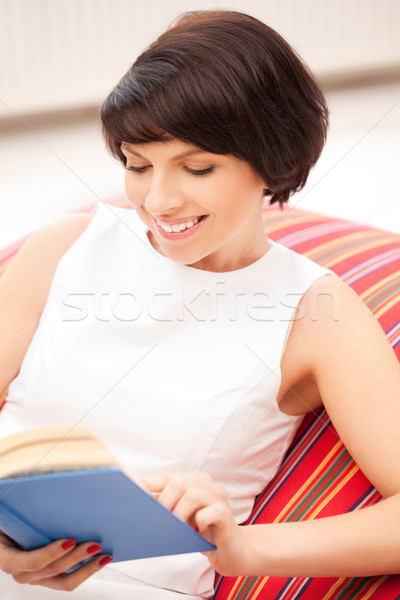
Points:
[(66, 54)]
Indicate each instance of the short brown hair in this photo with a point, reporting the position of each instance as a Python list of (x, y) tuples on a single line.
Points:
[(229, 84)]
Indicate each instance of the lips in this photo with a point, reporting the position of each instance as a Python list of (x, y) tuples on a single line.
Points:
[(180, 228)]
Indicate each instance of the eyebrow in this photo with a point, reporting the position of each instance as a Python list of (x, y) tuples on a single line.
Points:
[(177, 157)]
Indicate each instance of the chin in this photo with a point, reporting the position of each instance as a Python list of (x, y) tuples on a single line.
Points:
[(184, 258)]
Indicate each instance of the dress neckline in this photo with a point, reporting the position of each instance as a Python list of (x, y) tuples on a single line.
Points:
[(255, 266)]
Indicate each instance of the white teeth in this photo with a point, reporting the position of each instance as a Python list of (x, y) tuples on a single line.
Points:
[(165, 227), (178, 227)]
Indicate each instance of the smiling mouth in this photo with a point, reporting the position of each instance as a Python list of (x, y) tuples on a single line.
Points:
[(179, 227)]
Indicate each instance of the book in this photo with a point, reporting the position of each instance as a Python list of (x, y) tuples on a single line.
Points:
[(61, 482)]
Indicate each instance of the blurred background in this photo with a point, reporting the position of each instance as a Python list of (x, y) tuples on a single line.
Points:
[(60, 58)]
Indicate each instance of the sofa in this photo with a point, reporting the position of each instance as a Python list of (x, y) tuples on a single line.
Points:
[(318, 477)]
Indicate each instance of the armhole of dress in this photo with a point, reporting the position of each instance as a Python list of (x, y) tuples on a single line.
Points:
[(290, 326), (288, 332)]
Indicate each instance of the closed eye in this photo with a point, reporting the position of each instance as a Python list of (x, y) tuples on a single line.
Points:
[(136, 169), (200, 172), (196, 172)]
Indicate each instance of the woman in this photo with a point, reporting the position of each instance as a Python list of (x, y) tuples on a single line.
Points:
[(186, 340)]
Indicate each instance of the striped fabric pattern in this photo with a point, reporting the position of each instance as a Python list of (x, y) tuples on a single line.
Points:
[(318, 477)]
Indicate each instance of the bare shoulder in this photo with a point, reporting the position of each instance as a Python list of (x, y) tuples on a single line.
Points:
[(332, 316), (298, 393), (25, 285), (58, 236), (34, 266), (334, 335), (339, 322)]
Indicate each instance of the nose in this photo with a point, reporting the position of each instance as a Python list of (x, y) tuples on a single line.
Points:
[(163, 195)]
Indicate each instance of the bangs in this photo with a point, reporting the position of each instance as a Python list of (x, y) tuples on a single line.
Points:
[(132, 125), (156, 101)]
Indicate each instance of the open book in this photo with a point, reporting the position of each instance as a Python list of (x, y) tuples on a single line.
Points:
[(61, 482)]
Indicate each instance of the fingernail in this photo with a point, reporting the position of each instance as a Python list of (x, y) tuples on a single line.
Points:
[(196, 529), (70, 543), (104, 561), (93, 549)]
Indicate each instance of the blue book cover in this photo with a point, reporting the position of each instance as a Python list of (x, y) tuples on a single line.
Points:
[(101, 505)]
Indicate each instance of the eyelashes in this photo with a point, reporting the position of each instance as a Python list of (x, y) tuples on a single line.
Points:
[(201, 172), (195, 172), (136, 169)]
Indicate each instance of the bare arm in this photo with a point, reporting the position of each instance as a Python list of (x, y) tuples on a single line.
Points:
[(24, 288), (358, 377)]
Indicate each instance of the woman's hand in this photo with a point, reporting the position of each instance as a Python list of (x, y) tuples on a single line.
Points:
[(46, 566), (197, 500)]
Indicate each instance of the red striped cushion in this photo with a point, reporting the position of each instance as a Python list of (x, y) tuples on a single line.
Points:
[(318, 477)]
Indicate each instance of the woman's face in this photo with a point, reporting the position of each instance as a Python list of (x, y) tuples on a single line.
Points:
[(202, 209)]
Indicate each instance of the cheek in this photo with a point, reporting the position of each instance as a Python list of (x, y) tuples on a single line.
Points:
[(242, 188), (135, 191)]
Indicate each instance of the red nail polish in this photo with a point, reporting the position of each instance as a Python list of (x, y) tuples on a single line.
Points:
[(104, 561), (70, 543), (93, 549), (196, 529)]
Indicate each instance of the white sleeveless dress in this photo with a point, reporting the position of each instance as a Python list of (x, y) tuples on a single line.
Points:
[(174, 368)]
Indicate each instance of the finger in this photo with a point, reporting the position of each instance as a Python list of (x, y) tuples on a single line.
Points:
[(80, 554), (46, 562), (217, 525), (7, 542), (13, 559), (70, 581), (155, 484), (158, 483), (216, 520), (194, 499), (178, 485)]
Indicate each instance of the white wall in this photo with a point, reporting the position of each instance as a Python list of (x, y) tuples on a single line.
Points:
[(57, 54)]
